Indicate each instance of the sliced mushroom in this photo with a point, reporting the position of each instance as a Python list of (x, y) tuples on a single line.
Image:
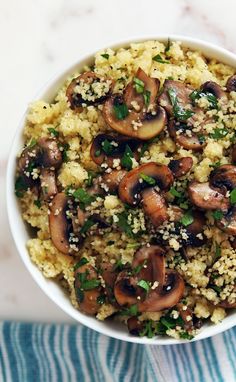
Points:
[(133, 184), (182, 134), (126, 290), (227, 305), (48, 183), (182, 93), (187, 316), (117, 147), (196, 237), (228, 222), (180, 167), (213, 88), (151, 261), (164, 296), (113, 179), (132, 98), (109, 274), (87, 298), (135, 124), (134, 326), (205, 197), (88, 89), (231, 84), (224, 177), (154, 206), (50, 155), (58, 223)]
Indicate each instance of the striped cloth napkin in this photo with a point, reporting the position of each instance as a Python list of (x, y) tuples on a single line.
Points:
[(61, 353)]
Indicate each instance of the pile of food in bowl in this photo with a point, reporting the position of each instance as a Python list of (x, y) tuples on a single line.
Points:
[(128, 179)]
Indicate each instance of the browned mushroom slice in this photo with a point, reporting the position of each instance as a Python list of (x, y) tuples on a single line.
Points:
[(213, 88), (224, 177), (58, 223), (134, 326), (175, 213), (50, 155), (205, 197), (133, 99), (231, 84), (87, 289), (113, 179), (182, 134), (106, 148), (48, 183), (187, 315), (180, 167), (196, 238), (150, 262), (182, 93), (89, 89), (133, 124), (164, 296), (228, 222), (145, 176), (154, 206), (126, 290)]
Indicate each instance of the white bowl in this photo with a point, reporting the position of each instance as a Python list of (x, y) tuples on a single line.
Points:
[(21, 234)]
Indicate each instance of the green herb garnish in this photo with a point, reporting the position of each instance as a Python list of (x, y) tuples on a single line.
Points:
[(138, 85), (124, 225), (149, 329), (148, 179), (233, 196), (119, 265), (159, 59), (187, 218), (215, 165), (37, 203), (146, 96), (197, 94), (31, 143), (201, 138), (144, 284), (133, 245), (90, 284), (167, 48), (80, 294), (81, 262), (91, 176), (87, 225), (131, 311), (107, 147), (126, 160), (217, 214), (137, 269), (53, 132), (186, 336), (219, 133), (121, 111), (20, 186), (217, 289), (82, 196), (97, 153), (105, 55), (174, 192), (217, 252), (101, 299), (180, 113)]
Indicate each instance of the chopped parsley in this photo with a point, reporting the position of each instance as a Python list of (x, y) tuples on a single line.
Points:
[(119, 266), (133, 245), (174, 192), (64, 148), (159, 59), (101, 299), (233, 196), (217, 252), (31, 143), (137, 269), (219, 133), (20, 186), (90, 284), (138, 85), (201, 138), (216, 288), (83, 197), (144, 284), (217, 214), (180, 113), (146, 144), (124, 225), (146, 96), (79, 294), (148, 179), (53, 132), (107, 147), (187, 218), (87, 225), (105, 55), (97, 153), (186, 336), (37, 203), (126, 160), (91, 176), (121, 111), (167, 48), (215, 165), (148, 330), (131, 311), (81, 262), (197, 94)]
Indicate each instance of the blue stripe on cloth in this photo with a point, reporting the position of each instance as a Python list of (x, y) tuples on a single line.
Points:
[(64, 353)]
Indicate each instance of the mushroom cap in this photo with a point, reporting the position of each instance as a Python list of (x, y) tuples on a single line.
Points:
[(50, 155), (182, 93), (126, 289), (231, 84), (180, 167), (213, 88), (148, 126), (223, 177), (118, 143), (48, 183), (228, 222), (113, 179), (196, 228), (132, 183), (188, 142), (154, 206), (89, 304), (164, 296), (76, 99), (134, 326), (58, 224), (205, 197)]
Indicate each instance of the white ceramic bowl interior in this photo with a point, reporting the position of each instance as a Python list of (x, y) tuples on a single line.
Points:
[(21, 233)]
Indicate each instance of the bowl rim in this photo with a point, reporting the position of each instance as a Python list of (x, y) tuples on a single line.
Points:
[(13, 215)]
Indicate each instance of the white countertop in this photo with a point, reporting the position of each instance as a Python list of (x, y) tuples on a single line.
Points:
[(38, 38)]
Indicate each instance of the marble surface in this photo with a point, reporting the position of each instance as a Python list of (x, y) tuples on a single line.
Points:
[(38, 38)]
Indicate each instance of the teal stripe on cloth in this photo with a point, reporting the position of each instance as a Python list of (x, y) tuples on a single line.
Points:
[(71, 353)]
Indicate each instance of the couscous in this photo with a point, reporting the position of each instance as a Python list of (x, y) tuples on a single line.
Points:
[(128, 179)]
